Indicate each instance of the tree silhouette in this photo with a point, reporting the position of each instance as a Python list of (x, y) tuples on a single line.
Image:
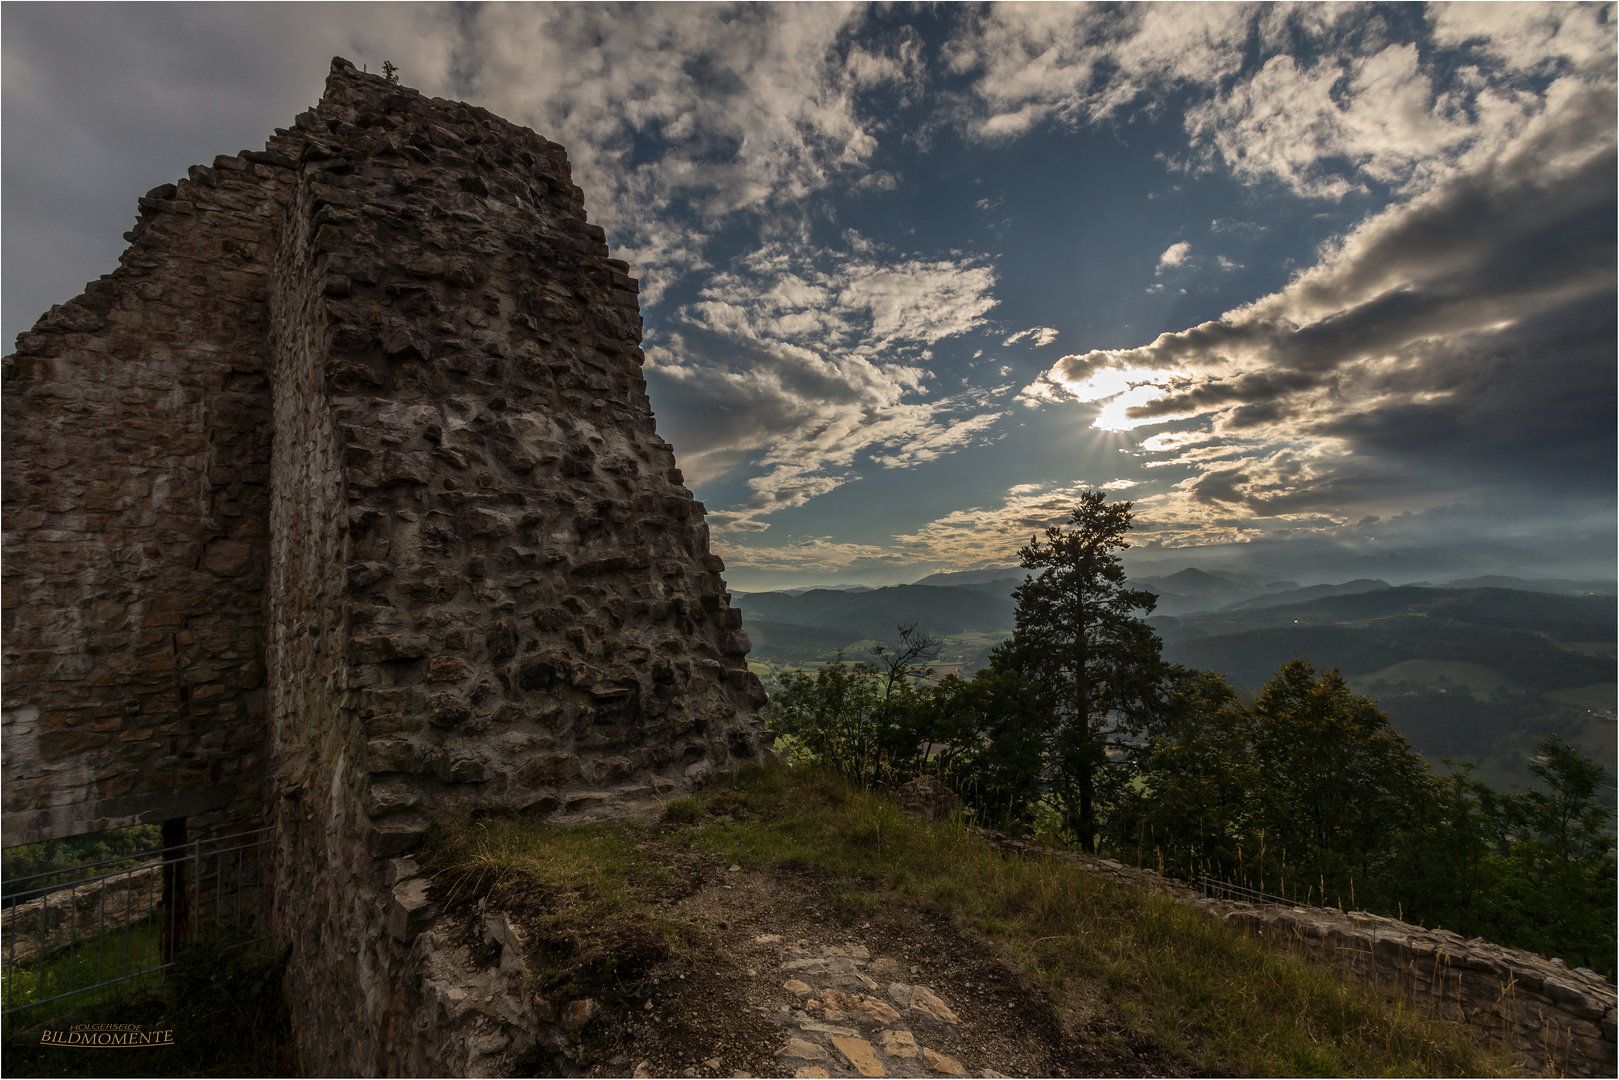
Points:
[(1097, 665)]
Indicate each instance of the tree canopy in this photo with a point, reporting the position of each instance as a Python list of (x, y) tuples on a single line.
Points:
[(1096, 664), (1078, 729)]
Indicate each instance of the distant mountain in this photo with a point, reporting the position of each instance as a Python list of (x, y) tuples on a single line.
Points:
[(1194, 589), (802, 589), (1519, 634), (998, 587), (774, 639), (878, 612), (1190, 589), (974, 577), (1496, 607), (1550, 585), (1294, 596), (1191, 582)]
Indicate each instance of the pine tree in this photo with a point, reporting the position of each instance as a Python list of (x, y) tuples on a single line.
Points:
[(1098, 665)]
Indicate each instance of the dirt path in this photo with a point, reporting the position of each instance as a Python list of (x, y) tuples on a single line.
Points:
[(779, 979)]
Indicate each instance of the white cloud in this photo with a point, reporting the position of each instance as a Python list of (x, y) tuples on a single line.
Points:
[(1080, 64), (818, 554), (704, 113), (1037, 336), (1332, 105), (1175, 255), (991, 535), (802, 364), (1531, 38), (867, 299)]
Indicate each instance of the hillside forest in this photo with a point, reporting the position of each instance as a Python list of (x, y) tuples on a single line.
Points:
[(1480, 671), (1167, 744)]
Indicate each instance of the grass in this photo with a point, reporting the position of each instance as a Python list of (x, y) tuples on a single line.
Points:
[(1458, 675), (223, 1002), (1216, 1000), (1588, 648), (1595, 696), (122, 951), (588, 896)]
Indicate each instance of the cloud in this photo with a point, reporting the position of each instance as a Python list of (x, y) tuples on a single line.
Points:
[(669, 112), (864, 296), (1531, 38), (806, 555), (1422, 349), (1173, 256), (1072, 65), (700, 114), (1322, 100), (991, 535), (1294, 120), (105, 102), (1037, 336), (1455, 341), (803, 364)]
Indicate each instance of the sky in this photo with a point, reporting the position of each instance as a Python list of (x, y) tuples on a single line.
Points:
[(1326, 291)]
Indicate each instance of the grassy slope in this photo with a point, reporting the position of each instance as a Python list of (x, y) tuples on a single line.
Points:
[(1213, 1001)]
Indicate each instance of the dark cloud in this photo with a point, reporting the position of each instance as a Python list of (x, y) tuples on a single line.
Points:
[(1530, 406), (1459, 344)]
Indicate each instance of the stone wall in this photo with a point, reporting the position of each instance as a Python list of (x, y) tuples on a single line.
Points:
[(1549, 1019), (358, 428), (135, 488)]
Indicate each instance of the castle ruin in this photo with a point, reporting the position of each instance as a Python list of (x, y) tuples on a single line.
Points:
[(338, 505)]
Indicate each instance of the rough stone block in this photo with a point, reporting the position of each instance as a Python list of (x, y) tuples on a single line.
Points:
[(411, 910), (548, 770), (395, 836)]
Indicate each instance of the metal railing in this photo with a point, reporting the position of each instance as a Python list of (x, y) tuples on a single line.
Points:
[(58, 939)]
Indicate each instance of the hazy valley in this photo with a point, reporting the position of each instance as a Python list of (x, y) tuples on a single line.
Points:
[(1477, 669)]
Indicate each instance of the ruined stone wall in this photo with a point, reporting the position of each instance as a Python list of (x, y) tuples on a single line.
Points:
[(1547, 1018), (489, 585), (358, 428), (324, 890), (135, 470)]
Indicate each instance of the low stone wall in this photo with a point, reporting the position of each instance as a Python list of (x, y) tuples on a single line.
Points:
[(1550, 1018)]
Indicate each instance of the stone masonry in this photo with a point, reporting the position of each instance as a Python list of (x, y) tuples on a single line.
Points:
[(1549, 1019), (338, 505)]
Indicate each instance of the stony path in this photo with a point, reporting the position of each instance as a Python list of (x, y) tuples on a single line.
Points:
[(774, 978), (840, 1011), (847, 1014)]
